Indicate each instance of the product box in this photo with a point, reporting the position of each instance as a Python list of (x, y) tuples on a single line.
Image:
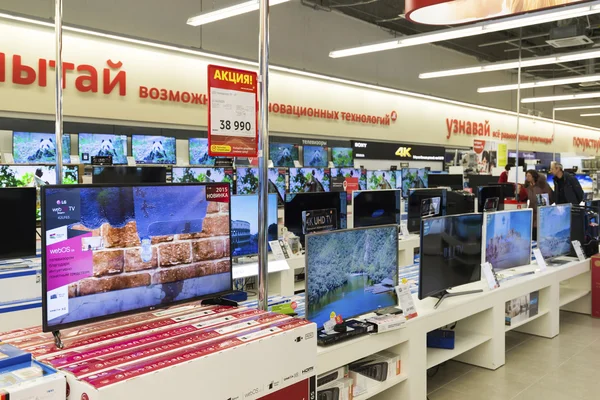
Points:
[(595, 265), (10, 355), (385, 323), (331, 376), (31, 380), (521, 308), (374, 369), (336, 390)]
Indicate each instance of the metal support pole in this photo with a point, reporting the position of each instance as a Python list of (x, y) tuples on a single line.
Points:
[(518, 108), (59, 90), (553, 133), (263, 157)]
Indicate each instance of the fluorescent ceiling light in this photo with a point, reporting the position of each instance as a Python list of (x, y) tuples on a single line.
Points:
[(578, 96), (513, 64), (591, 115), (568, 108), (481, 28), (538, 84), (227, 12)]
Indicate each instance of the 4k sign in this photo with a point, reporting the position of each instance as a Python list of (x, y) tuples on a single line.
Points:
[(232, 112), (403, 151)]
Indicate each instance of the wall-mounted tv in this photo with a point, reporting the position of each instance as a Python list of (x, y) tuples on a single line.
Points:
[(149, 149), (198, 148), (315, 156), (206, 175), (96, 144), (305, 180), (39, 148), (283, 154), (342, 157)]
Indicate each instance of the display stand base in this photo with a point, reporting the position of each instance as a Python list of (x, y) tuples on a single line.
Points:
[(219, 301), (445, 294), (57, 340)]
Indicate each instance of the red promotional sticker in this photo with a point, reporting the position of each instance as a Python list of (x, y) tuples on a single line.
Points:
[(218, 193)]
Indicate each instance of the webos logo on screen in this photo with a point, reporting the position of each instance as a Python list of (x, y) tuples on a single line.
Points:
[(62, 250), (62, 208)]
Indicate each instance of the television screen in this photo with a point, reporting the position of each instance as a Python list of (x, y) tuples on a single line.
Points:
[(586, 182), (148, 149), (507, 238), (398, 174), (207, 175), (486, 192), (430, 207), (491, 204), (297, 205), (450, 253), (415, 204), (346, 172), (244, 224), (413, 178), (543, 199), (342, 157), (554, 230), (307, 180), (453, 181), (350, 279), (376, 207), (315, 156), (110, 250), (18, 238), (39, 148), (277, 181), (283, 154), (481, 180), (247, 181), (198, 148), (129, 175), (94, 144), (381, 180)]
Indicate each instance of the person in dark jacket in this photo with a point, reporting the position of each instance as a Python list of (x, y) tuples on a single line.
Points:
[(566, 187)]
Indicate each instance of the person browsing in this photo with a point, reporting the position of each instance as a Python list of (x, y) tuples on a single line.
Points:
[(566, 186)]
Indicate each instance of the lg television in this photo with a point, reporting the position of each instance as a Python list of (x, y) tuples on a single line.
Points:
[(381, 180), (149, 149), (349, 279), (95, 144), (305, 180), (507, 239), (376, 207), (283, 154), (244, 223), (450, 254), (413, 178), (206, 175), (129, 175), (299, 204), (342, 157), (453, 181), (198, 148), (39, 148), (19, 219), (415, 202), (315, 156), (89, 276), (554, 231)]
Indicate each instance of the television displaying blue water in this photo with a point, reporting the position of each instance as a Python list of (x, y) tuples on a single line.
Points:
[(554, 230)]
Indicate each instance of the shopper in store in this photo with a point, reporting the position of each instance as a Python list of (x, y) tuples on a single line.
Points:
[(537, 185), (566, 186), (504, 175)]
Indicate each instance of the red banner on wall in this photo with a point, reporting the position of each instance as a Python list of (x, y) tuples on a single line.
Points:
[(232, 112)]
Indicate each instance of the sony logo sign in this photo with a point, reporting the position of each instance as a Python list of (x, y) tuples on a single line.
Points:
[(360, 145)]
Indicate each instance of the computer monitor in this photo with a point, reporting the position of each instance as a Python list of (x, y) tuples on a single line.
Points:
[(453, 181), (507, 238), (109, 175), (244, 223), (376, 207), (18, 237), (39, 148), (149, 149), (347, 278), (96, 144), (415, 203), (450, 254), (554, 231), (100, 258)]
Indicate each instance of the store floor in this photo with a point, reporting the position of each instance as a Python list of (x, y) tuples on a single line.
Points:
[(566, 367)]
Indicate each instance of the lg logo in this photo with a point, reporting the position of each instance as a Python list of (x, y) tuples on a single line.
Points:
[(403, 152)]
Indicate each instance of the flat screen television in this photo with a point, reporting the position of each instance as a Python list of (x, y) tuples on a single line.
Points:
[(489, 192), (39, 148), (309, 180), (415, 203), (149, 149), (414, 178), (206, 175), (87, 276), (277, 181), (476, 180), (244, 223), (346, 172), (507, 239), (96, 144), (376, 207), (342, 157), (453, 181), (198, 148), (586, 182), (450, 253), (554, 230), (247, 181), (18, 237), (298, 205), (283, 154), (315, 156), (382, 180), (347, 279), (123, 174)]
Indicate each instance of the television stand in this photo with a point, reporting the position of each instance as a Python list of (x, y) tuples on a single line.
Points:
[(445, 294)]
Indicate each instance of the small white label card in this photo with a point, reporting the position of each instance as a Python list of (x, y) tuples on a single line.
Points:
[(277, 250), (406, 301), (578, 250), (539, 259), (490, 276), (131, 161)]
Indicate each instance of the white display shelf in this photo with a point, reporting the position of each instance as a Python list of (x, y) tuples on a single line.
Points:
[(375, 390), (300, 285), (528, 320), (463, 342), (251, 269), (569, 295)]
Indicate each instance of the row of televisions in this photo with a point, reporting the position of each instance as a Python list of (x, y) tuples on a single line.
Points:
[(40, 148)]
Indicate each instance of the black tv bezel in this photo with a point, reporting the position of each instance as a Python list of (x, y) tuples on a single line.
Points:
[(356, 193), (422, 295), (97, 167), (443, 194), (33, 217), (45, 133), (141, 162), (79, 153), (54, 328)]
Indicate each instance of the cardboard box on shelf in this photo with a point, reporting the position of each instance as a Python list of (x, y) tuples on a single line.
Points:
[(521, 308)]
